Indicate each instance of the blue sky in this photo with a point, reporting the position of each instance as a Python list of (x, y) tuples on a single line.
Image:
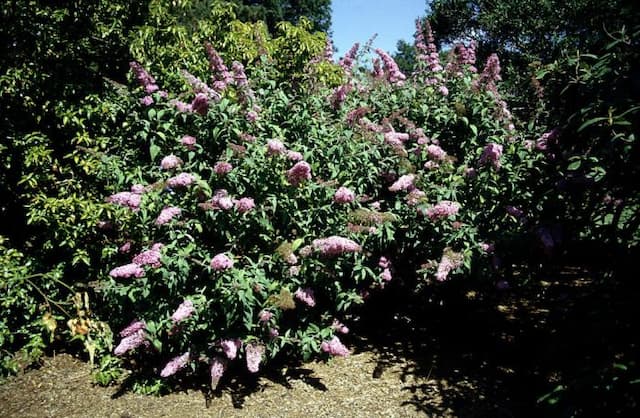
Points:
[(357, 20)]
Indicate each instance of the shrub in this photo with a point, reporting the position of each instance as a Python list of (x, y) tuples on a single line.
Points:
[(248, 222)]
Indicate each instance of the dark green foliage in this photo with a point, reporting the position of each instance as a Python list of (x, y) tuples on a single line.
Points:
[(274, 11)]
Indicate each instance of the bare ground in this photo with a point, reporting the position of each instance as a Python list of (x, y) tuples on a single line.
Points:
[(469, 353)]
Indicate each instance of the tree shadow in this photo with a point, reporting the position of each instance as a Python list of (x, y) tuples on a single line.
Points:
[(567, 346)]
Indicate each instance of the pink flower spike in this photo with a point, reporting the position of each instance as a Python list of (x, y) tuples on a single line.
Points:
[(334, 347), (335, 245), (169, 162), (299, 172), (189, 142), (306, 296), (253, 353), (132, 328), (167, 214), (222, 167), (244, 204), (175, 365), (181, 180), (403, 183), (221, 262), (130, 342), (230, 348), (275, 147), (344, 195), (184, 311), (126, 271), (218, 367)]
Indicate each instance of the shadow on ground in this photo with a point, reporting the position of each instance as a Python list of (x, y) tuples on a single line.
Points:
[(562, 347)]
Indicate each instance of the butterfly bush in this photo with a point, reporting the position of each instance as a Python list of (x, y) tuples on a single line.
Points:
[(300, 200)]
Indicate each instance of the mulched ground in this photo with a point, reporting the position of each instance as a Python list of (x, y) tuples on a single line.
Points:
[(466, 353)]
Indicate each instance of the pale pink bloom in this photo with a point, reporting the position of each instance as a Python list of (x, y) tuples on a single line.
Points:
[(125, 248), (137, 189), (169, 162), (230, 348), (275, 147), (200, 104), (436, 153), (384, 262), (442, 209), (306, 296), (335, 245), (273, 333), (221, 262), (403, 183), (251, 116), (294, 270), (126, 199), (181, 180), (132, 328), (147, 100), (175, 365), (126, 271), (167, 214), (487, 248), (414, 197), (386, 275), (294, 155), (244, 204), (130, 342), (218, 367), (222, 168), (334, 347), (221, 200), (291, 258), (491, 155), (253, 353), (299, 172), (340, 327), (446, 265), (470, 172), (181, 106), (394, 75), (265, 316), (149, 257), (188, 141), (443, 90), (184, 311), (344, 195)]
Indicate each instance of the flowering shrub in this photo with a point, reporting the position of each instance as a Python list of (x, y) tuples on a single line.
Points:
[(249, 221)]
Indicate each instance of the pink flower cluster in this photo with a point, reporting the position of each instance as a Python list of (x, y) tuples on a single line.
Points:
[(184, 311), (221, 75), (347, 61), (126, 271), (221, 200), (340, 95), (414, 197), (339, 327), (188, 141), (200, 86), (244, 204), (405, 182), (126, 199), (253, 353), (491, 155), (144, 78), (167, 214), (436, 153), (334, 347), (170, 162), (218, 367), (230, 348), (446, 265), (344, 195), (175, 365), (385, 264), (149, 257), (396, 139), (221, 262), (306, 296), (181, 180), (298, 173), (335, 245), (133, 336), (222, 167), (442, 210), (394, 75), (275, 147), (200, 104), (427, 53), (265, 316)]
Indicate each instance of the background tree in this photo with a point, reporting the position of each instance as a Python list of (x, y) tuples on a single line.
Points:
[(274, 11)]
